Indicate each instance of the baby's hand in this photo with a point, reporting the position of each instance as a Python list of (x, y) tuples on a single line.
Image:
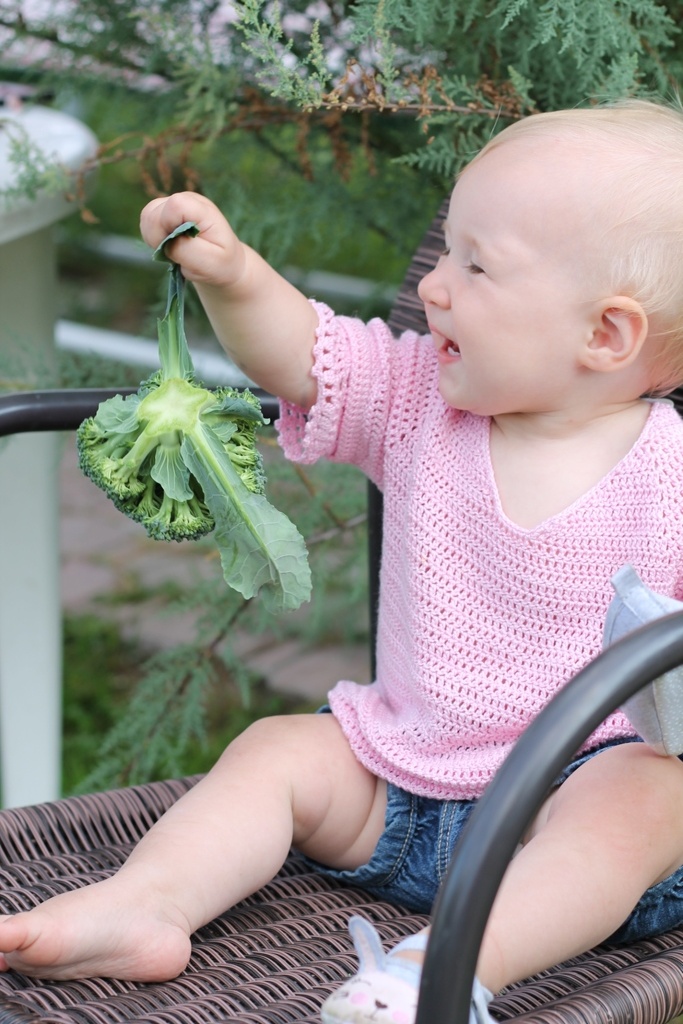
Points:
[(214, 257)]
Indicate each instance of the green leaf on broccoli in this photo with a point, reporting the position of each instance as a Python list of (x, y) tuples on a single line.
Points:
[(181, 459)]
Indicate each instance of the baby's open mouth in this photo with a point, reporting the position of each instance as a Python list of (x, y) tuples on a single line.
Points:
[(446, 348), (449, 349)]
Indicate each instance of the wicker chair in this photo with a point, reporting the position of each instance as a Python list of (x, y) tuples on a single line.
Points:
[(275, 956)]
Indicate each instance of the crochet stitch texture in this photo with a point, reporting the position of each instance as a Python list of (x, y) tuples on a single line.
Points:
[(480, 621)]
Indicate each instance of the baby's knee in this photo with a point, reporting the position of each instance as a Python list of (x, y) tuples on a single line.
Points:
[(651, 784), (635, 762), (279, 736), (663, 785), (263, 734), (659, 811)]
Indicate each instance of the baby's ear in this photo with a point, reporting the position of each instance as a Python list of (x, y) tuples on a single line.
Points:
[(620, 330)]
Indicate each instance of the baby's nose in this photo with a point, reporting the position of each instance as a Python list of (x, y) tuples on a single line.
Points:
[(432, 290)]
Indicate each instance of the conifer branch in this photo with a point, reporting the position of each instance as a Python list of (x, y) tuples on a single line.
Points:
[(44, 34)]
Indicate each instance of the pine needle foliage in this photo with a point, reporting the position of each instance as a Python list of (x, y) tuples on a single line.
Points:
[(330, 88)]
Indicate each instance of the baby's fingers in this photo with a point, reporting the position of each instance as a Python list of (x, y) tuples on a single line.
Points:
[(161, 216), (209, 256)]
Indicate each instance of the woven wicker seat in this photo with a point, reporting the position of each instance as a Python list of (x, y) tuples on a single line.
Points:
[(275, 956)]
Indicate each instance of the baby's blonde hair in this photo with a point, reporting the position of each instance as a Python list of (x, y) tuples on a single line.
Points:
[(642, 241)]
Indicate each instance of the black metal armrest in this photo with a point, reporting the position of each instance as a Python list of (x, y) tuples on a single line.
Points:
[(66, 408), (23, 412), (513, 798)]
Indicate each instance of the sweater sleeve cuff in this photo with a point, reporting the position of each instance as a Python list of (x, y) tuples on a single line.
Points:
[(308, 436)]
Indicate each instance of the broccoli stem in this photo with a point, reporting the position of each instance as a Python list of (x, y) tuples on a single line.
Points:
[(146, 442), (174, 354), (173, 407), (225, 477), (174, 361)]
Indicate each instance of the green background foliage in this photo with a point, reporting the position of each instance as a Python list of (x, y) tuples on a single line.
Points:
[(327, 130)]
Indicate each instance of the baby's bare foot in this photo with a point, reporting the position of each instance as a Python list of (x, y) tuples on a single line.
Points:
[(102, 930)]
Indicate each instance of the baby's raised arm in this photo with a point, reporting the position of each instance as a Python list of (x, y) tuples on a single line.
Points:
[(264, 323)]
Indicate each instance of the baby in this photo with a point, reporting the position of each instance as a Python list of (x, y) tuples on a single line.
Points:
[(521, 467)]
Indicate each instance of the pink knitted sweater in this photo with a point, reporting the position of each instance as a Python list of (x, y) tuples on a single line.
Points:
[(480, 621)]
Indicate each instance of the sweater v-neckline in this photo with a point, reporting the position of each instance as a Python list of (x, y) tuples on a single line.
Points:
[(585, 497)]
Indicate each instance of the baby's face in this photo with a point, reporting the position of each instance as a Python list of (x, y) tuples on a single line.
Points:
[(511, 297)]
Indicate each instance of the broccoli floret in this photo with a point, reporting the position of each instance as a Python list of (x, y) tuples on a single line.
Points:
[(182, 460), (102, 457), (142, 470), (166, 518), (238, 432)]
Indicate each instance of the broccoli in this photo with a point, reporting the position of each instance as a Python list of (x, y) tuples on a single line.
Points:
[(182, 460)]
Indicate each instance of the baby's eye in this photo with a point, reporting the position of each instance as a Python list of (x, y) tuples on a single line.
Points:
[(472, 268), (445, 251)]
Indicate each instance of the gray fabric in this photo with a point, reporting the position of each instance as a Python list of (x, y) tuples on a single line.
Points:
[(656, 711)]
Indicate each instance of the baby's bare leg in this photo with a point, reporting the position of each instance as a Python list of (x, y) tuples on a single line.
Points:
[(610, 832), (288, 780)]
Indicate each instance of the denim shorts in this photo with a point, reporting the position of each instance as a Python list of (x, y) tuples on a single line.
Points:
[(415, 849)]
